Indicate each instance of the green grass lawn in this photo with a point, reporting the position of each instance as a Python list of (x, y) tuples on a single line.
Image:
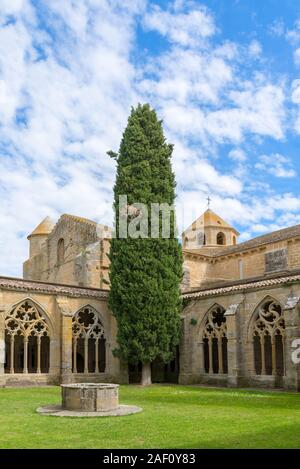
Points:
[(173, 417)]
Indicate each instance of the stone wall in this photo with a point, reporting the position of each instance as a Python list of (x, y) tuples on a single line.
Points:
[(275, 257), (240, 302), (85, 260)]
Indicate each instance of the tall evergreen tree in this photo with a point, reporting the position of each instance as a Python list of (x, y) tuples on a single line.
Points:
[(145, 273)]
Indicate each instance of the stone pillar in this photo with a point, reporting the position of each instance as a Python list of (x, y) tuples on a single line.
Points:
[(2, 344), (231, 315), (66, 340), (200, 345), (291, 315), (184, 355)]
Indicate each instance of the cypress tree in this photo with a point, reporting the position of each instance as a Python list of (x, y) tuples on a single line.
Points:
[(145, 273)]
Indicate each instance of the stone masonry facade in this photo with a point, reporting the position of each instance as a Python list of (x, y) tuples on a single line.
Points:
[(240, 319)]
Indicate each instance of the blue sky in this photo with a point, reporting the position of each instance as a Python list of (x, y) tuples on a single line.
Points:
[(224, 75)]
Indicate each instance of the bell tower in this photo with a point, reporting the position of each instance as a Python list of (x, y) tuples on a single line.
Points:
[(39, 236), (209, 231)]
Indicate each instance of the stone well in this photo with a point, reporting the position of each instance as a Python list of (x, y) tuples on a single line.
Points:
[(89, 400), (90, 397)]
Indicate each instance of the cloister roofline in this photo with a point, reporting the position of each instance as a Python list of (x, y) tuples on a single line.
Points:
[(285, 234), (229, 287), (222, 288), (18, 284)]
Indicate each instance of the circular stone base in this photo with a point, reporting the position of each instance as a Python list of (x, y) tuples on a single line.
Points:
[(58, 411)]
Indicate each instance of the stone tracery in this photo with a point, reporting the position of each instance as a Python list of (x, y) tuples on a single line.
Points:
[(268, 339), (88, 342), (215, 341), (27, 340)]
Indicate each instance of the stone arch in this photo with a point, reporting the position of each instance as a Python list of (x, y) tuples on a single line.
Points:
[(28, 331), (89, 341), (213, 332), (266, 334), (255, 309), (221, 238)]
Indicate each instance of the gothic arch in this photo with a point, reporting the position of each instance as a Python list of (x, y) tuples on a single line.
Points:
[(266, 334), (213, 332), (38, 305), (89, 341), (27, 338), (255, 309), (202, 323)]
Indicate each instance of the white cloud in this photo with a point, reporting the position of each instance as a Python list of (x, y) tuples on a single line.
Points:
[(258, 110), (237, 155), (66, 91), (199, 76), (295, 91), (277, 28), (295, 98), (72, 103), (293, 35), (297, 57), (255, 49), (184, 28), (11, 7), (277, 165)]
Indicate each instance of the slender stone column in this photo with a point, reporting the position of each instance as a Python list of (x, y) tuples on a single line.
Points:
[(66, 341), (210, 353), (25, 365), (231, 315), (75, 356), (2, 344), (12, 354), (263, 359), (86, 355), (200, 345), (38, 370), (220, 355), (96, 356), (291, 314), (274, 369)]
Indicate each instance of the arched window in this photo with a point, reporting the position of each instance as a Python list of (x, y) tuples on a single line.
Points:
[(27, 341), (215, 341), (221, 238), (234, 240), (268, 339), (60, 251), (88, 342)]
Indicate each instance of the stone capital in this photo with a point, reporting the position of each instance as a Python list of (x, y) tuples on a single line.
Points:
[(232, 310), (291, 302), (63, 305)]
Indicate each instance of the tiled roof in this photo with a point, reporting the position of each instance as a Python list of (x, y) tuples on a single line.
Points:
[(44, 228), (18, 284), (243, 285), (209, 218)]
